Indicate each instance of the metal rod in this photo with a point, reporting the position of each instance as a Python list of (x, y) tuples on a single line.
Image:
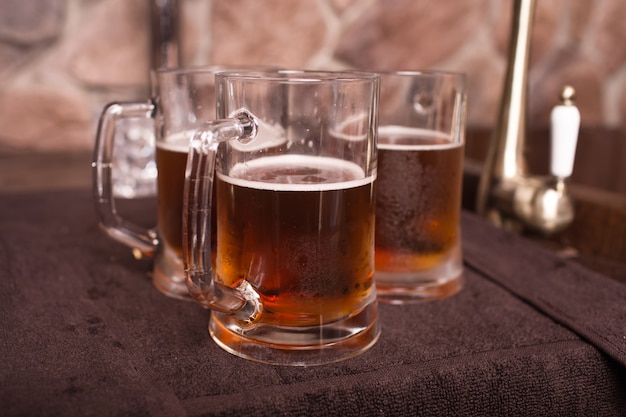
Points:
[(165, 36), (505, 159)]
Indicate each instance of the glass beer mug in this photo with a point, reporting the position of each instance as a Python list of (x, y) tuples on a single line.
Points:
[(421, 143), (183, 99), (292, 158)]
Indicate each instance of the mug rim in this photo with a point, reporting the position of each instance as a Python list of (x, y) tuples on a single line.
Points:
[(426, 73), (214, 69), (300, 76)]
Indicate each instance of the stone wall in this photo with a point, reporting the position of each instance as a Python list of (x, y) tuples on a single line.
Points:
[(61, 60)]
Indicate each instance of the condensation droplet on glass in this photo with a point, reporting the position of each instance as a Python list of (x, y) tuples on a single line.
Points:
[(423, 103)]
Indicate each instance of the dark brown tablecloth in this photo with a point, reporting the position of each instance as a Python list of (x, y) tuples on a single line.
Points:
[(83, 333)]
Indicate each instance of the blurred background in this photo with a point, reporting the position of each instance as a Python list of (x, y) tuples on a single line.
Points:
[(62, 60)]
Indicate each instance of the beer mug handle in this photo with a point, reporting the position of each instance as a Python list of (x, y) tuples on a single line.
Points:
[(128, 233), (242, 301)]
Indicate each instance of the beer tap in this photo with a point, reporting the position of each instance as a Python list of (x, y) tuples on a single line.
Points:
[(543, 203), (507, 195)]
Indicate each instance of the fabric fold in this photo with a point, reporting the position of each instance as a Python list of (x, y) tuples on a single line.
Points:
[(589, 304), (84, 332)]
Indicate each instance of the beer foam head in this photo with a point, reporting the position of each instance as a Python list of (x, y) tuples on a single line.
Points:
[(268, 135), (354, 128), (178, 142), (297, 173), (394, 137)]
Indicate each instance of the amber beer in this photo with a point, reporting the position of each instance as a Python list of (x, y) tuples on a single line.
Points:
[(301, 230), (171, 159), (417, 204)]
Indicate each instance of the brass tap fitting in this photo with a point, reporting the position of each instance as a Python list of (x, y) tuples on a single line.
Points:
[(507, 194)]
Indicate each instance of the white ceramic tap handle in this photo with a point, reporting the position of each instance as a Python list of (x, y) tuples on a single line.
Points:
[(565, 122)]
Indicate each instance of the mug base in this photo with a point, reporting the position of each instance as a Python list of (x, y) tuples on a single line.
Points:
[(169, 278), (419, 291), (298, 346), (436, 282)]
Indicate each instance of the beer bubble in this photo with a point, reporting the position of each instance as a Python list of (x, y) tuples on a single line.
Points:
[(303, 260)]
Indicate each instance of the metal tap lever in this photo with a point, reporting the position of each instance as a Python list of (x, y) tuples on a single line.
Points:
[(543, 203), (565, 122), (507, 195)]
